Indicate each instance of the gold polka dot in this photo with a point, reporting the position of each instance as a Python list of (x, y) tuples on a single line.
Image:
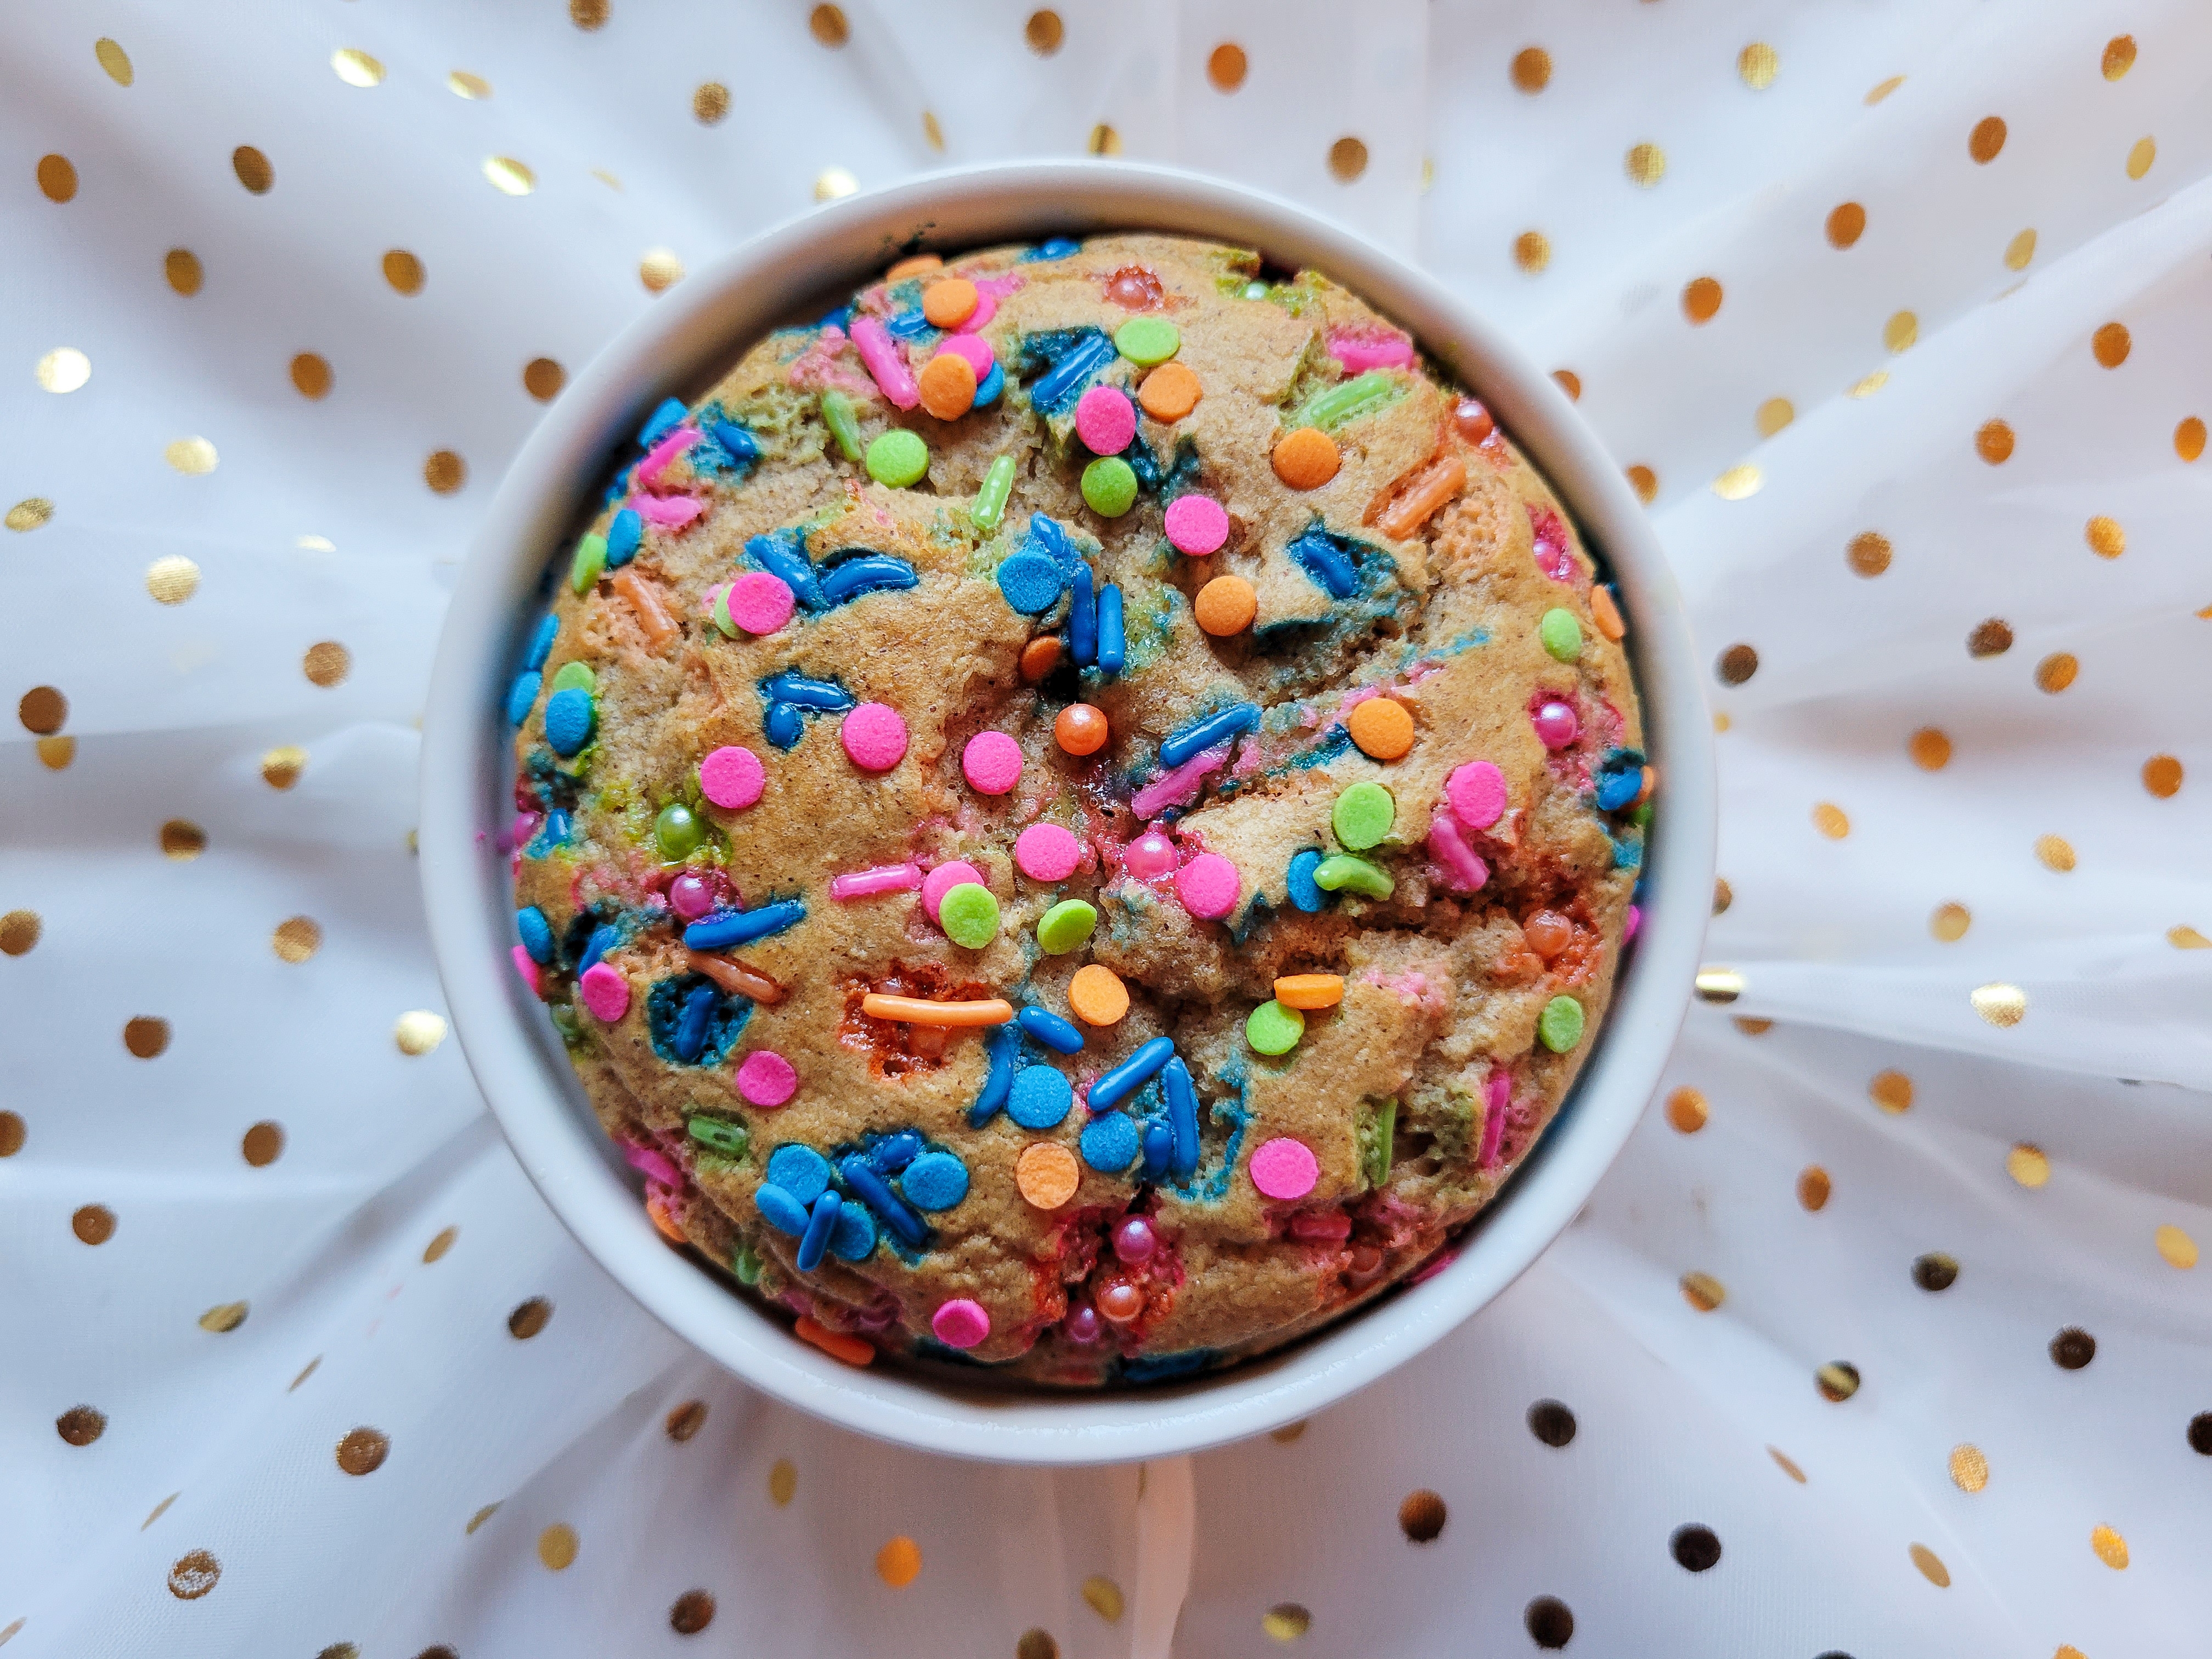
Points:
[(2120, 56), (146, 1036), (2110, 344), (1532, 251), (114, 60), (63, 369), (2054, 853), (1718, 986), (2028, 1164), (1970, 1469), (1703, 1292), (691, 1613), (262, 1145), (588, 15), (556, 1546), (1226, 66), (252, 170), (1724, 895), (1830, 820), (1930, 749), (2019, 250), (1736, 664), (418, 1032), (1757, 64), (1569, 382), (529, 1318), (1838, 1381), (403, 271), (93, 1223), (1645, 481), (1036, 1645), (281, 767), (475, 1521), (2188, 440), (355, 67), (441, 1241), (1901, 331), (1868, 553), (1428, 173), (193, 457), (932, 131), (899, 1562), (193, 1575), (13, 1134), (782, 1482), (1774, 415), (1686, 1111), (1786, 1466), (2161, 776), (710, 102), (310, 375), (1993, 443), (2141, 154), (508, 176), (1044, 32), (1950, 922), (462, 84), (685, 1420), (1421, 1517), (296, 938), (173, 579), (42, 709), (1866, 388), (80, 1425), (1286, 1621), (2178, 1248), (57, 178), (19, 933), (2185, 938), (223, 1318), (1931, 1566), (327, 663), (1104, 1597), (445, 472), (1739, 484), (828, 25), (364, 1450), (833, 182), (55, 753), (29, 513), (1289, 1433), (1987, 138), (1846, 224), (2056, 672), (543, 379), (1701, 299), (659, 269), (1991, 637), (2110, 1547), (1813, 1187), (1347, 159), (1532, 68), (1646, 165), (2000, 1004), (1891, 1091)]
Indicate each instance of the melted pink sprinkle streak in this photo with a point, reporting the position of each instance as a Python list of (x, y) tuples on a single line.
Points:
[(1180, 786), (1553, 557), (1497, 1094)]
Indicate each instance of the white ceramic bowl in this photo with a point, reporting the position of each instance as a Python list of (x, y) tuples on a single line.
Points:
[(678, 348)]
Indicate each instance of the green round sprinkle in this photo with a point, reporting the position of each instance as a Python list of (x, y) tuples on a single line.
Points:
[(970, 915), (1147, 340), (1109, 486), (1560, 1024), (1065, 927), (1561, 634), (576, 675), (1363, 816), (898, 458), (1335, 874), (991, 500), (746, 1265), (591, 563), (1641, 818), (1256, 290), (1274, 1029), (676, 830), (837, 416)]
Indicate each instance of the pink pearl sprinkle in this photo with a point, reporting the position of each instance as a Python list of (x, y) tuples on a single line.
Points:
[(974, 348), (992, 762), (1556, 725), (961, 1324), (528, 969), (766, 1079), (1284, 1169), (760, 602), (874, 736), (883, 878), (1134, 1241), (653, 1162), (604, 993), (1082, 1324), (732, 777), (1207, 885), (1105, 420), (1045, 851), (1477, 793), (1197, 525), (690, 896), (1150, 855), (943, 879)]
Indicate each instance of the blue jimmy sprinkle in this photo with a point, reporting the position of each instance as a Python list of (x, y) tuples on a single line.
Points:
[(821, 1222), (1113, 641), (1050, 537), (736, 439), (907, 324), (535, 932), (691, 1027), (780, 554), (603, 939), (840, 318), (1159, 1150), (890, 1209), (803, 692), (1305, 892), (660, 422), (1122, 1080), (779, 1209), (1182, 1115), (556, 829), (623, 536), (1232, 721), (1075, 355), (1000, 1048), (870, 573), (1059, 247), (1330, 560), (1056, 1033), (895, 1151), (1083, 619), (727, 928), (541, 642)]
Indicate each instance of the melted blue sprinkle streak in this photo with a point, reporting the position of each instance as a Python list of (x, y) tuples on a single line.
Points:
[(782, 725), (1113, 640), (871, 573), (737, 440), (1328, 560), (907, 325), (988, 388), (1182, 1115), (1232, 721), (1082, 622), (692, 1029), (603, 940), (1305, 892), (804, 692), (1056, 1032), (821, 1222), (1628, 856), (890, 1209), (781, 555), (1003, 1047), (1075, 355), (541, 642), (779, 1209), (1159, 1150), (1120, 1082), (727, 928), (522, 695), (663, 421)]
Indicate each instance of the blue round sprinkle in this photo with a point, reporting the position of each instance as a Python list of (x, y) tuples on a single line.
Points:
[(1616, 789), (1059, 248), (1305, 891), (537, 933), (986, 393), (569, 718), (1040, 1097), (1031, 582), (1109, 1143), (799, 1170), (854, 1237), (541, 642), (935, 1180), (779, 1209), (522, 695), (622, 538)]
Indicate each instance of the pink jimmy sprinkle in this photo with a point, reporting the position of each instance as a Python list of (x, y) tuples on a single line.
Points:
[(652, 1162), (669, 512), (882, 878), (1181, 786), (885, 362), (1462, 867), (1497, 1096), (1361, 351), (1635, 923), (647, 474), (528, 969)]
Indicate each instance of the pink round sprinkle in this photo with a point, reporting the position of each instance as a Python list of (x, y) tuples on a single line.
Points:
[(1477, 793), (1284, 1169), (974, 348), (1045, 851), (1556, 725), (732, 777), (528, 970), (943, 879), (1150, 855), (766, 1077), (760, 602), (992, 761), (1105, 420), (1207, 885), (874, 736), (961, 1324), (604, 993), (1197, 525)]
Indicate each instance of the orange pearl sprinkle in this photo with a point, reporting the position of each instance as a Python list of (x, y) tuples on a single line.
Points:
[(1097, 994), (1548, 933), (1381, 727), (1121, 1301), (1040, 657), (1473, 421), (1080, 729), (1226, 605), (950, 303), (948, 386), (1306, 459), (1170, 393)]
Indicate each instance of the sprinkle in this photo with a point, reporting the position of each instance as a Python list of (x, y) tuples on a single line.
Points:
[(1001, 1046), (1040, 657), (1082, 618), (1047, 1174), (758, 603), (1159, 1151), (604, 993), (1081, 728), (1272, 1029), (1283, 1169), (1216, 728), (646, 475), (1422, 496), (1335, 874), (577, 673), (1065, 927), (1197, 525), (522, 695), (1207, 885), (1309, 990), (1097, 994), (676, 832), (1306, 459), (601, 940), (870, 573), (854, 1237), (535, 932), (1473, 421), (1348, 400), (1363, 815), (1560, 1024), (647, 1161), (1057, 248), (988, 388), (895, 1151), (1113, 641), (1447, 846), (591, 561), (1052, 391), (948, 386), (837, 416), (778, 1208), (1146, 341), (1605, 610), (1555, 723), (942, 880), (1040, 1097), (570, 717), (1182, 1117), (643, 598), (1047, 852), (1381, 727), (914, 265), (990, 503), (949, 303), (1561, 634), (960, 1324), (916, 1010), (1105, 420), (820, 1221), (719, 1135), (1030, 582), (838, 1345), (1298, 879), (528, 970), (874, 737), (1328, 561), (1152, 854), (737, 440), (885, 363), (623, 536), (727, 928), (732, 777), (934, 1181), (1110, 485), (1180, 784), (1477, 793), (1109, 1143), (1365, 351), (1169, 393), (880, 879), (737, 978), (1056, 1032), (992, 762), (661, 422), (969, 916), (1226, 605), (1550, 548), (1122, 1081), (800, 1171), (973, 347), (765, 1078), (669, 512), (897, 458), (863, 1178)]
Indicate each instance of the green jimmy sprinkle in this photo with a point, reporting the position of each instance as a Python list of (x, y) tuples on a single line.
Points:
[(1380, 1148), (1560, 1024), (720, 1135), (837, 416), (991, 500), (591, 563), (1362, 395), (746, 1265), (1336, 874), (1561, 634)]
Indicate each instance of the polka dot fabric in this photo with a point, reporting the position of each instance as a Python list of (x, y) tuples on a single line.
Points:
[(1895, 318)]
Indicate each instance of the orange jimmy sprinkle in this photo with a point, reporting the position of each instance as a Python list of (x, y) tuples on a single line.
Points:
[(835, 1344), (1097, 994), (1170, 393), (1309, 990), (915, 267), (1382, 729), (1424, 493), (644, 599), (950, 303), (1040, 657), (948, 386), (1046, 1174), (990, 1011), (1606, 614), (735, 976), (1080, 729), (1226, 605), (1306, 459)]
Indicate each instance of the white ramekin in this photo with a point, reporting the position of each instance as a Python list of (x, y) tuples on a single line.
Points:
[(678, 348)]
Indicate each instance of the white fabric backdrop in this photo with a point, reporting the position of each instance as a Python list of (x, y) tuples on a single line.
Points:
[(1972, 1496)]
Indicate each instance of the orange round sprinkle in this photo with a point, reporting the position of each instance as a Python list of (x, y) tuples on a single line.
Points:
[(1097, 994), (915, 267), (898, 1561), (1309, 990), (1381, 728), (948, 386), (1606, 614), (1226, 605), (1306, 459), (1040, 657), (950, 303), (671, 1228), (1170, 393), (1080, 729), (1047, 1175), (854, 1351)]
